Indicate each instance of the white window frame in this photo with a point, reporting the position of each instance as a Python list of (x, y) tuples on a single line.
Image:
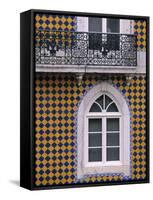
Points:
[(104, 25), (83, 166), (126, 26), (104, 117)]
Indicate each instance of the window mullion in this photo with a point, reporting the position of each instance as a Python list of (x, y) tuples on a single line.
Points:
[(104, 103), (104, 25), (104, 139)]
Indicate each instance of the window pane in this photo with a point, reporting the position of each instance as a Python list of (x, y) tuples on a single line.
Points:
[(95, 154), (112, 108), (100, 101), (95, 24), (112, 139), (112, 154), (95, 125), (95, 139), (95, 39), (107, 101), (95, 108), (113, 124), (113, 25)]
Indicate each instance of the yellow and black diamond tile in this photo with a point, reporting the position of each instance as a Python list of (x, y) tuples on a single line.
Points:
[(140, 31), (55, 22), (57, 99)]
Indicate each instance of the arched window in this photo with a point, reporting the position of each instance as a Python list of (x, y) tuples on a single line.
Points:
[(103, 137), (103, 132)]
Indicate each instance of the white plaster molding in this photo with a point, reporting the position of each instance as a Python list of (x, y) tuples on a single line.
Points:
[(141, 62), (125, 26), (87, 69), (82, 24)]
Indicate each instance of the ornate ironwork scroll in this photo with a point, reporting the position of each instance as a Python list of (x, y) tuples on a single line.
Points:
[(82, 48)]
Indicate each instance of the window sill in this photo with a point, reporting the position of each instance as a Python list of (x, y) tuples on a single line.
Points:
[(105, 169), (100, 164)]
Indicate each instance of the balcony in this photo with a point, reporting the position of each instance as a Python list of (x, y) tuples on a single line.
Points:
[(58, 48)]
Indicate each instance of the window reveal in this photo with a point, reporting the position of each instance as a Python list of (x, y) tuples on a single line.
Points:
[(95, 140)]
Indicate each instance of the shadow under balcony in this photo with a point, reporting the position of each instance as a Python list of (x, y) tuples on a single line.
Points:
[(58, 51)]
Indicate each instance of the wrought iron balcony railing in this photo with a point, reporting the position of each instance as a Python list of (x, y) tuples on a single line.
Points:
[(82, 48)]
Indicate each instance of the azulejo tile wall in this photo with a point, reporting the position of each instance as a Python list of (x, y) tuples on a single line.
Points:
[(55, 22), (57, 99), (140, 31), (59, 26)]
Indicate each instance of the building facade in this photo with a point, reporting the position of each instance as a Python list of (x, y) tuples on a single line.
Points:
[(90, 99)]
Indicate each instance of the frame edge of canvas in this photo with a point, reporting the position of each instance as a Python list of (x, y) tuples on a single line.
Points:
[(27, 101)]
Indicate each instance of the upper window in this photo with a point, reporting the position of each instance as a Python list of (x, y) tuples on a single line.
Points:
[(109, 25), (95, 37), (97, 41), (103, 131)]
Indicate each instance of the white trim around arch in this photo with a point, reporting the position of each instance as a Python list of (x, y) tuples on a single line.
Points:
[(122, 167)]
